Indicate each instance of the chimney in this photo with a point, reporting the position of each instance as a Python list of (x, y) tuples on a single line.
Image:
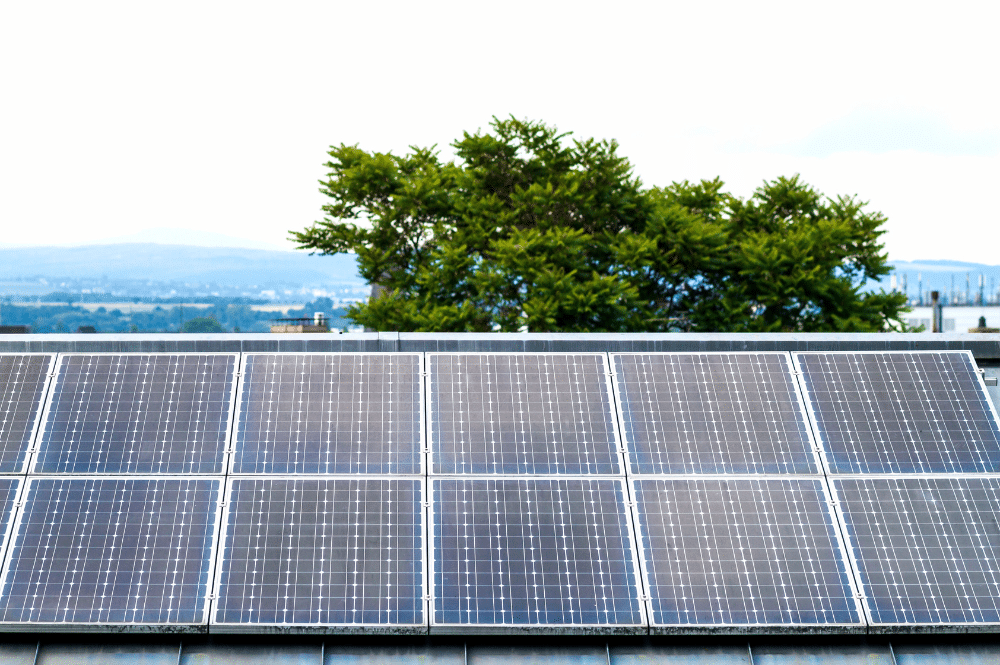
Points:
[(937, 322)]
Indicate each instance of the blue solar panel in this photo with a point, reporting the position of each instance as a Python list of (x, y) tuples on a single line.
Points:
[(112, 551), (330, 413), (712, 413), (138, 413), (522, 413), (9, 488), (742, 552), (927, 549), (532, 552), (23, 378), (323, 552), (901, 412)]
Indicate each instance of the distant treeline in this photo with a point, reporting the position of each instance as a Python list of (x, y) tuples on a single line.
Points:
[(227, 316)]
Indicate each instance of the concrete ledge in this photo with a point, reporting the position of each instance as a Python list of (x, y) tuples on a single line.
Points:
[(984, 346)]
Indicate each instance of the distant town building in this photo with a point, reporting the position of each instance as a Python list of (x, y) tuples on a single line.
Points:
[(955, 319), (317, 324)]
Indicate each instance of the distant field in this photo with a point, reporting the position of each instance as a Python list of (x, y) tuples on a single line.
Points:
[(58, 316)]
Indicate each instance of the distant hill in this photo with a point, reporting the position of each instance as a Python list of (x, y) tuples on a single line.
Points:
[(167, 263), (238, 267), (943, 266)]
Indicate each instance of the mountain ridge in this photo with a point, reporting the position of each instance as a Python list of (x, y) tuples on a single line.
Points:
[(184, 263)]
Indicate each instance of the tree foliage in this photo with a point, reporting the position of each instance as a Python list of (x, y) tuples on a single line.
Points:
[(530, 228), (202, 324)]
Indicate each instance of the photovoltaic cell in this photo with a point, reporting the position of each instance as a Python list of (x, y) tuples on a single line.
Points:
[(22, 391), (152, 413), (8, 496), (712, 413), (901, 412), (521, 413), (533, 552), (739, 552), (323, 551), (330, 413), (112, 551), (927, 548)]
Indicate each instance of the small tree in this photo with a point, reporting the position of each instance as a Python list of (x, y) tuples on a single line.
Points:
[(202, 324)]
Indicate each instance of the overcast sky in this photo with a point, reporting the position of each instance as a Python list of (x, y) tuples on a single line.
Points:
[(132, 117)]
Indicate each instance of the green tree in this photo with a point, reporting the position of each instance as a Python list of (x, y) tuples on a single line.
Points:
[(202, 324), (797, 261), (530, 228), (445, 242)]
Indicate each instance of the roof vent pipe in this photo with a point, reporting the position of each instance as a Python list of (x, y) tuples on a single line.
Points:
[(937, 325)]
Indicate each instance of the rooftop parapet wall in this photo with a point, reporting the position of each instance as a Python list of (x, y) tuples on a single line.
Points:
[(985, 347)]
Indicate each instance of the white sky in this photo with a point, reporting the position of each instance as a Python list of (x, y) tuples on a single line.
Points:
[(117, 118)]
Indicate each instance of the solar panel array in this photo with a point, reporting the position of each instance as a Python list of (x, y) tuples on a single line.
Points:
[(498, 492)]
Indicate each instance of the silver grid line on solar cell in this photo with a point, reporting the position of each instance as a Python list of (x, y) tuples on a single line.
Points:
[(953, 429), (712, 413), (49, 559), (624, 586), (966, 548), (24, 384), (836, 610), (108, 436), (545, 428), (313, 422), (356, 541)]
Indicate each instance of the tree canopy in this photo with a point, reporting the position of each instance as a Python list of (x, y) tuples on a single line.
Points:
[(202, 324), (531, 228)]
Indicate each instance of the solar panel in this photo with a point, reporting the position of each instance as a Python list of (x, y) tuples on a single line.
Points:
[(23, 378), (317, 552), (550, 554), (330, 413), (522, 413), (138, 413), (742, 552), (712, 413), (112, 551), (9, 490), (927, 549), (901, 412)]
